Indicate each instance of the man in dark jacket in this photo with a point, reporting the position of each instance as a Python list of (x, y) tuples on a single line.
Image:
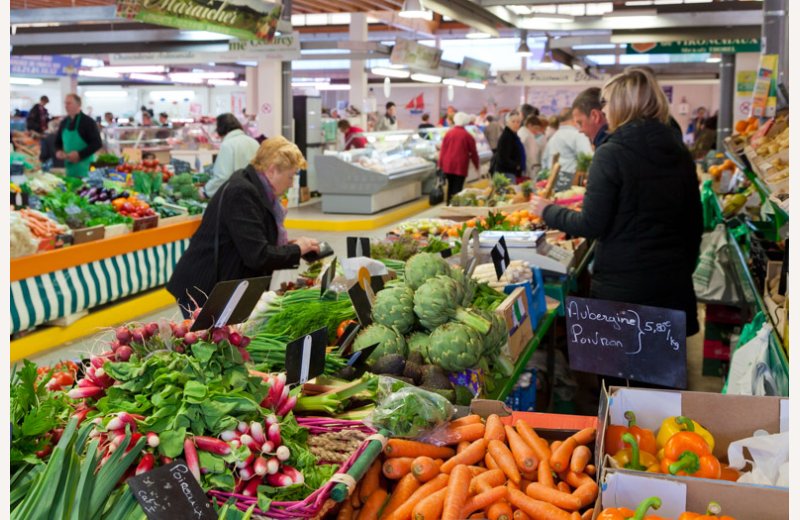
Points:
[(587, 112), (510, 156), (38, 116), (78, 138)]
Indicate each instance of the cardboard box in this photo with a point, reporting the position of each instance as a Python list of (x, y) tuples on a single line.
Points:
[(514, 310), (140, 224), (90, 234)]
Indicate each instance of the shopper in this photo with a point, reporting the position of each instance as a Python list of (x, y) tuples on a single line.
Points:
[(147, 119), (532, 136), (587, 112), (492, 132), (38, 117), (642, 203), (696, 125), (47, 149), (481, 119), (510, 156), (552, 127), (706, 138), (458, 151), (426, 123), (163, 120), (235, 152), (353, 135), (77, 139), (109, 120), (242, 234), (567, 142), (527, 111), (389, 120)]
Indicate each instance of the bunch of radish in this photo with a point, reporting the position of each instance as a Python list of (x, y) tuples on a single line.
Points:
[(113, 432), (95, 381), (278, 399), (125, 337)]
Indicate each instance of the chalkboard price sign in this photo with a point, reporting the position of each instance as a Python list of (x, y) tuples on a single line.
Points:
[(634, 342), (171, 493), (563, 181)]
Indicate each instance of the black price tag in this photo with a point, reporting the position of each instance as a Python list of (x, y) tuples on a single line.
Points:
[(171, 492), (231, 302), (346, 340), (180, 166), (327, 278), (500, 257), (634, 342), (357, 246), (359, 359), (305, 357), (361, 304), (447, 253)]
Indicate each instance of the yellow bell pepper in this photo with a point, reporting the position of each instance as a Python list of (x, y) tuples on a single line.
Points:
[(673, 425)]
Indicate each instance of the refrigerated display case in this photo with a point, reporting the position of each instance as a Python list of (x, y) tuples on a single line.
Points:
[(196, 143), (153, 139)]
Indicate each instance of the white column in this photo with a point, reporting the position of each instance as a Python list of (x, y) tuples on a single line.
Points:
[(270, 102), (358, 76), (251, 99)]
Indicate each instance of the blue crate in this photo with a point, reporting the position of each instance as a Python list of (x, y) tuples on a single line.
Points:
[(523, 399), (537, 306)]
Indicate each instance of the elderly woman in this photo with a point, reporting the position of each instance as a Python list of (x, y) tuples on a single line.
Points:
[(235, 152), (458, 150), (242, 233), (642, 203)]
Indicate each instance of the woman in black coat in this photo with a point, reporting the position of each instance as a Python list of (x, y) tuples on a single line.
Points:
[(509, 158), (642, 203), (247, 217)]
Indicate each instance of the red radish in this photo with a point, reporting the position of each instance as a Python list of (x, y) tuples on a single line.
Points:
[(257, 432), (245, 342), (151, 329), (124, 353), (287, 406), (295, 475), (243, 427), (283, 453), (218, 335), (137, 336), (229, 435), (212, 445), (274, 434), (85, 392), (277, 384), (83, 383), (81, 414), (251, 489), (235, 443), (273, 465), (248, 461), (196, 313), (248, 441), (279, 480), (240, 484), (98, 362), (123, 335), (152, 439), (146, 464), (52, 385), (235, 338), (179, 331), (260, 466), (115, 344), (247, 473), (272, 419), (134, 439), (180, 349), (245, 354), (267, 447), (56, 434), (165, 460), (190, 338), (190, 453), (108, 354), (119, 422), (44, 452)]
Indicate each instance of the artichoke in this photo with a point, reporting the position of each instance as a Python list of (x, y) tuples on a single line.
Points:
[(469, 286), (394, 307), (455, 347), (497, 336), (435, 303), (423, 266), (418, 342), (389, 341)]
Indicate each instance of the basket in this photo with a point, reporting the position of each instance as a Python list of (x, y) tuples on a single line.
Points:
[(320, 499)]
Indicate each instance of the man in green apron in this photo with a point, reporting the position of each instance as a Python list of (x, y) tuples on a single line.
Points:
[(78, 139)]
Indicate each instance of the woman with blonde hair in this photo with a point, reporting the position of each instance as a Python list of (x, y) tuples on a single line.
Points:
[(642, 203), (242, 233)]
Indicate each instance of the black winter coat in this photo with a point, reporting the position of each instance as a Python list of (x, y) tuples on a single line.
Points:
[(508, 157), (642, 204), (248, 235)]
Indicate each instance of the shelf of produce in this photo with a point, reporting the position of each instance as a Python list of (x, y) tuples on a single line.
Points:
[(64, 282)]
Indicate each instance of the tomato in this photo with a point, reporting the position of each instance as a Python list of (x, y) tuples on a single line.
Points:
[(64, 379), (127, 207), (342, 327)]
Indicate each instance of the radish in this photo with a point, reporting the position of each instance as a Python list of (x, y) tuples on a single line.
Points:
[(235, 443), (134, 439), (229, 435), (248, 461), (243, 427), (85, 392), (277, 385), (257, 432), (119, 422), (52, 385), (235, 338), (247, 473), (287, 406), (98, 362), (196, 313), (115, 344), (240, 485), (295, 475), (179, 331), (245, 354), (267, 447), (212, 445), (190, 338), (81, 414), (179, 349), (271, 419), (279, 480), (190, 454), (83, 383), (248, 441), (124, 353), (283, 453), (44, 452), (152, 439), (151, 329), (137, 336), (146, 464), (123, 335), (218, 335), (260, 466), (274, 434), (166, 460), (273, 465), (251, 489), (245, 342)]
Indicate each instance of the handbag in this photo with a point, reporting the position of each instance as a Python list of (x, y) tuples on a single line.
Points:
[(436, 196)]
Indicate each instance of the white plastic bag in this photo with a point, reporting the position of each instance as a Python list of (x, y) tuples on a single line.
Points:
[(750, 372), (770, 458)]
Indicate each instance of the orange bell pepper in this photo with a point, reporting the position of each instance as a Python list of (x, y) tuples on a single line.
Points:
[(614, 443), (711, 513), (687, 453), (623, 513), (633, 458), (728, 473)]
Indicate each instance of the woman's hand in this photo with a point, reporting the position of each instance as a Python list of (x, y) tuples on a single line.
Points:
[(60, 155), (307, 245), (538, 205)]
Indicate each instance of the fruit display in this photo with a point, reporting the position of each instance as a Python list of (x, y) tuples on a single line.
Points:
[(147, 166), (716, 171), (500, 193), (95, 194), (747, 127), (133, 207)]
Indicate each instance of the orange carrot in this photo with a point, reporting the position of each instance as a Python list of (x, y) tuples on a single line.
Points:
[(559, 460), (457, 493), (588, 514), (563, 486), (467, 419), (430, 507), (529, 475), (580, 458), (371, 480), (499, 511), (490, 462), (397, 468), (575, 516), (462, 446), (477, 470), (553, 447), (513, 485), (546, 474), (404, 489), (469, 432), (519, 514), (486, 481), (404, 510), (585, 436), (590, 469), (494, 429), (553, 496), (505, 460), (473, 454), (485, 499), (523, 454), (373, 505), (355, 499), (404, 448), (575, 480), (345, 511), (425, 468), (586, 493), (524, 483), (536, 508), (537, 444)]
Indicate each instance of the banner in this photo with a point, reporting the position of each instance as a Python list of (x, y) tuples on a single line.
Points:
[(724, 46), (548, 77), (415, 55), (474, 70), (244, 19), (743, 98), (765, 88), (44, 65)]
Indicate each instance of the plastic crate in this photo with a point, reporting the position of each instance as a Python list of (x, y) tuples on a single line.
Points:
[(523, 398), (537, 306), (557, 287)]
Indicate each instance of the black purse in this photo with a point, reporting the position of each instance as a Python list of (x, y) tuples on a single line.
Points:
[(436, 196)]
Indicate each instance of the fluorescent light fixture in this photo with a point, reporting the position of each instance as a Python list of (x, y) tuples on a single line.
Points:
[(99, 73), (476, 85), (555, 18), (667, 2), (91, 62), (242, 83), (426, 78), (148, 69), (333, 86), (247, 63), (637, 14), (204, 35), (147, 77), (310, 83), (25, 81), (474, 34), (172, 94), (697, 1), (312, 52), (208, 75), (413, 9), (186, 78), (520, 10), (455, 82), (298, 20), (714, 59), (106, 93), (390, 73), (594, 46), (222, 82), (317, 19), (339, 19)]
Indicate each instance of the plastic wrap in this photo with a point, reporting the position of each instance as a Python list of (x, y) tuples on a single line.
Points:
[(409, 412)]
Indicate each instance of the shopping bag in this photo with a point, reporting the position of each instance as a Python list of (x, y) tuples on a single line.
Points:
[(436, 196), (711, 214), (750, 372), (715, 277)]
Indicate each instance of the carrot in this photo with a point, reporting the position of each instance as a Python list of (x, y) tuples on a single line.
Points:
[(403, 511), (580, 458), (462, 446), (553, 496), (490, 462), (472, 455), (430, 507), (575, 480), (575, 516), (494, 429), (523, 454), (537, 444), (529, 475), (505, 460), (373, 505), (588, 514), (404, 448), (486, 481), (513, 485), (559, 460), (467, 419), (346, 511), (457, 493), (563, 486), (546, 474), (469, 432), (425, 468), (404, 489), (585, 436), (397, 468), (477, 470), (485, 499), (371, 480), (519, 514), (499, 511), (536, 508), (586, 492), (554, 446), (590, 469)]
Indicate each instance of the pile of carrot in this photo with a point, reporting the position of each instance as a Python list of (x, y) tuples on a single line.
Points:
[(40, 224), (485, 470)]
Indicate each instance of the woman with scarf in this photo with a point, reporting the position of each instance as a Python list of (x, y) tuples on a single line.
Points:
[(242, 233)]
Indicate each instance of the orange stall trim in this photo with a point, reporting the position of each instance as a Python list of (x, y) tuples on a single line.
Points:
[(71, 256)]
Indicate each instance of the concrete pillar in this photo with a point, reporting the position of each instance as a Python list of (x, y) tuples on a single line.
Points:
[(270, 98), (358, 74), (251, 96), (775, 37), (287, 115), (727, 84)]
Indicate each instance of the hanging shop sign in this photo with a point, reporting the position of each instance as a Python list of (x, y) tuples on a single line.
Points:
[(548, 77), (474, 70), (284, 47), (44, 65), (723, 46), (244, 19), (415, 55)]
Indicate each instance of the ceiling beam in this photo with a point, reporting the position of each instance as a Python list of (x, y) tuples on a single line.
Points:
[(423, 28), (468, 13)]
